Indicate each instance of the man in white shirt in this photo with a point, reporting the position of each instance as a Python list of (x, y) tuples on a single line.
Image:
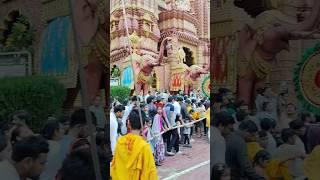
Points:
[(117, 113), (222, 126), (268, 125), (291, 153)]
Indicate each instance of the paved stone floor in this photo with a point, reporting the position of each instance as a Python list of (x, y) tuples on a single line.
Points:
[(192, 164)]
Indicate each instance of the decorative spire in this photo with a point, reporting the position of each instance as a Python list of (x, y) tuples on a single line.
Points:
[(134, 39)]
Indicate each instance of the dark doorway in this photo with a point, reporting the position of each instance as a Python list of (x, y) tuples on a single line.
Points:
[(189, 57)]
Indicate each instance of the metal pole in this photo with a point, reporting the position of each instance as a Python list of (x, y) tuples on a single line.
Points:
[(84, 97), (130, 51)]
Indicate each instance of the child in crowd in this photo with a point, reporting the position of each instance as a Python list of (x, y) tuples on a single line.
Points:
[(186, 133)]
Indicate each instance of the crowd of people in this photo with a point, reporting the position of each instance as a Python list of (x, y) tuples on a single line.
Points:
[(157, 125), (60, 150), (273, 140)]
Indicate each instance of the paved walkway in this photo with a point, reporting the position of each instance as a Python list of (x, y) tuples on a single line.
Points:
[(192, 164)]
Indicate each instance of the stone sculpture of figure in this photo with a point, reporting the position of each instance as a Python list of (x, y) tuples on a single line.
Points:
[(143, 67), (181, 55), (191, 75), (259, 44), (183, 5), (58, 54)]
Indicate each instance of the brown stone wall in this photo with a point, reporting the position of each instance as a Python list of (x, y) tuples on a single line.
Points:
[(31, 9)]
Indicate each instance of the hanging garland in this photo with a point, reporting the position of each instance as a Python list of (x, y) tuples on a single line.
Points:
[(306, 79), (206, 86)]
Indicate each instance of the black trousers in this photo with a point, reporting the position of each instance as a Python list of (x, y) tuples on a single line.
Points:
[(174, 141), (186, 139)]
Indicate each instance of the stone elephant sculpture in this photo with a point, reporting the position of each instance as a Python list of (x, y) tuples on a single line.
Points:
[(261, 42), (192, 74), (143, 68)]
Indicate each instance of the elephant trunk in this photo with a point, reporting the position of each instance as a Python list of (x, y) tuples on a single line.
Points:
[(160, 58)]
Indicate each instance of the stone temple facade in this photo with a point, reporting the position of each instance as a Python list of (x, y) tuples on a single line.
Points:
[(227, 20), (154, 20)]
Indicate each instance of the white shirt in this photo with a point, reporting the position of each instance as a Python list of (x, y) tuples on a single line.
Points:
[(218, 147), (8, 171), (113, 131), (177, 108), (272, 144), (124, 119)]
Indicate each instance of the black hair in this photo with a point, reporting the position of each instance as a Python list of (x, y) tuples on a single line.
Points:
[(82, 162), (134, 98), (193, 100), (188, 101), (248, 126), (149, 99), (31, 146), (23, 115), (179, 99), (170, 99), (134, 119), (101, 139), (199, 104), (305, 115), (79, 118), (266, 124), (241, 115), (223, 119), (286, 134), (118, 108), (16, 133), (296, 124), (261, 155), (50, 128)]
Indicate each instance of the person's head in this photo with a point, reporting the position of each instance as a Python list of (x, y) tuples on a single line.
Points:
[(20, 132), (170, 99), (306, 117), (298, 126), (224, 122), (288, 136), (225, 99), (149, 92), (248, 130), (266, 106), (134, 120), (79, 125), (134, 99), (77, 165), (245, 108), (97, 101), (262, 159), (267, 124), (150, 99), (179, 99), (65, 121), (220, 172), (263, 138), (159, 110), (20, 117), (30, 156), (5, 147), (241, 115), (291, 109), (118, 110), (52, 130), (267, 92)]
